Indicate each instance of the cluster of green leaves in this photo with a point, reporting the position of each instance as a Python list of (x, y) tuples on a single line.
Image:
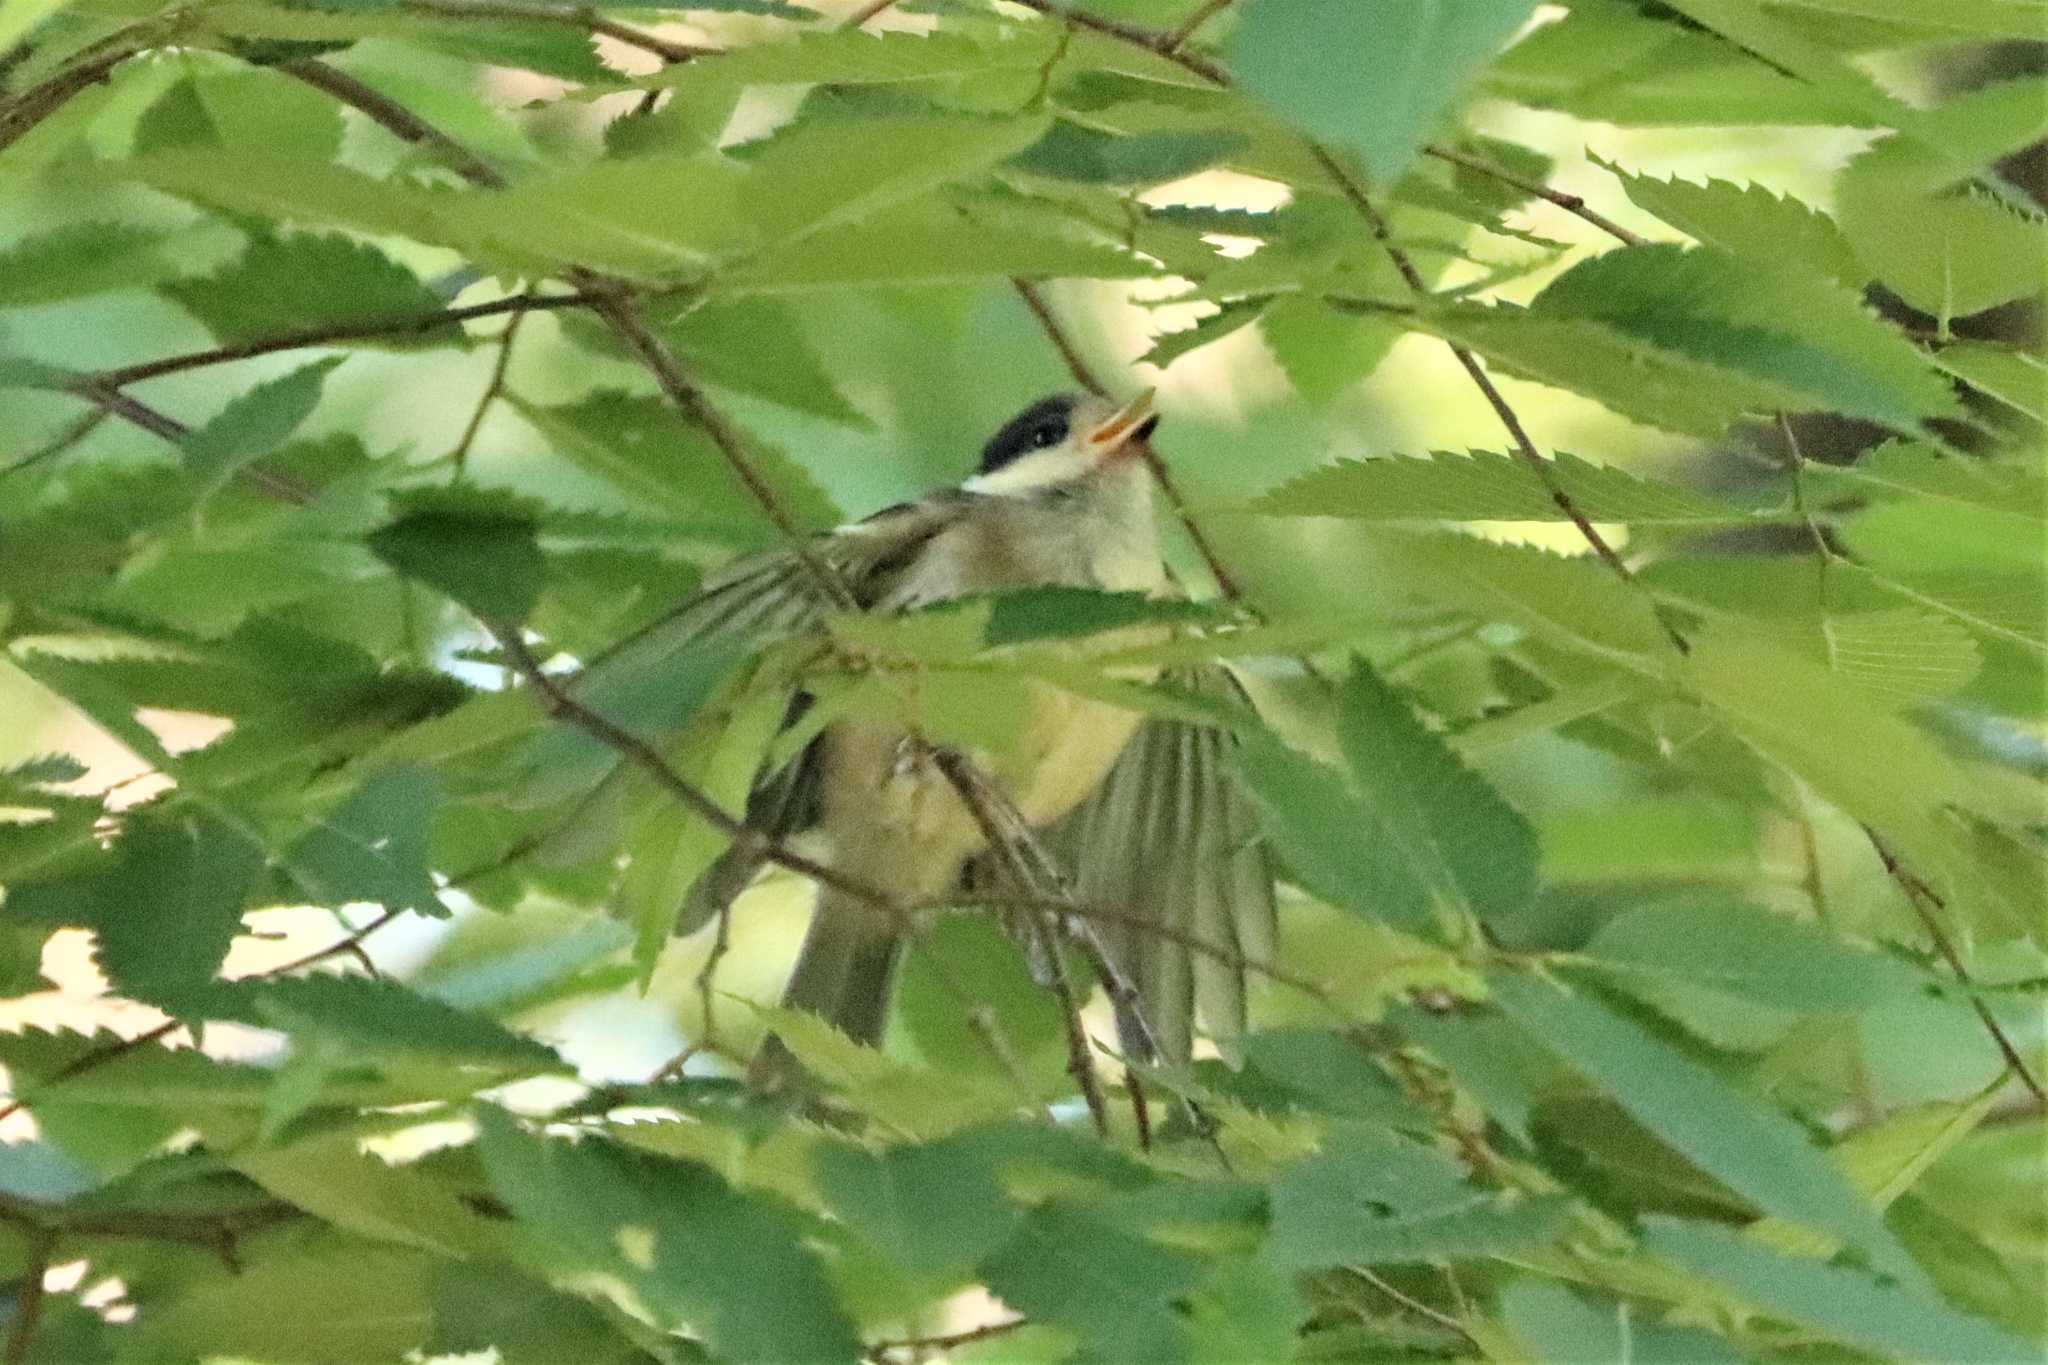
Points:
[(1557, 1060)]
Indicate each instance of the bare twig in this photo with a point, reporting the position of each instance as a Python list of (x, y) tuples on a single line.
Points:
[(518, 305), (20, 115), (396, 119), (28, 1300), (581, 17), (560, 703), (1187, 28), (490, 394), (92, 1061), (625, 319), (1928, 905), (1376, 222), (1570, 203), (951, 1341), (82, 427), (165, 427), (873, 8), (1135, 34)]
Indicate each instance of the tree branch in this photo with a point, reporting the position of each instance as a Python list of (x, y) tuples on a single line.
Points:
[(1135, 34), (1186, 29), (28, 1300), (1570, 203), (20, 116), (572, 16), (396, 119), (952, 1341), (137, 413), (1928, 905), (491, 392), (517, 305), (1524, 447), (560, 703)]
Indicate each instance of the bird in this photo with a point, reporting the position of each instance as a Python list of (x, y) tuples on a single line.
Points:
[(1139, 812)]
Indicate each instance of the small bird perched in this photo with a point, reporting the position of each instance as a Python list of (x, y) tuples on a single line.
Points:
[(1138, 810)]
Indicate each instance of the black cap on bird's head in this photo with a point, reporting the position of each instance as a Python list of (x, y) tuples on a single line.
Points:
[(1090, 431)]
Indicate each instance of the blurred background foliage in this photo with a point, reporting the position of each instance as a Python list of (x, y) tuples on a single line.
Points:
[(1780, 1114)]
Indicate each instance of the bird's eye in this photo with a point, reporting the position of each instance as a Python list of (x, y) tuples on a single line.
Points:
[(1051, 434)]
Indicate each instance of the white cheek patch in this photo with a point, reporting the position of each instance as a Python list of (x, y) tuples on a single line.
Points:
[(1029, 473)]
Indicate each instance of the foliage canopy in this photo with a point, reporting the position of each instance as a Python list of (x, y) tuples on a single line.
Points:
[(1663, 936)]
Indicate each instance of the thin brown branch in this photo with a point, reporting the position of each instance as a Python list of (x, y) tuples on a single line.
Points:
[(1928, 904), (92, 1061), (581, 17), (951, 1341), (1187, 28), (1135, 34), (1570, 203), (491, 392), (625, 320), (165, 427), (396, 119), (874, 8), (82, 427), (20, 116), (1376, 222), (1077, 365), (560, 703), (28, 1300), (518, 305)]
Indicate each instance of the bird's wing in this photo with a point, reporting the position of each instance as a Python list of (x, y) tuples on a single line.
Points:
[(658, 675), (1169, 845)]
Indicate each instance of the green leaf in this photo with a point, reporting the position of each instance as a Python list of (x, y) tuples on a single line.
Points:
[(384, 1019), (1571, 602), (650, 217), (731, 1265), (286, 189), (846, 57), (165, 904), (1318, 827), (1458, 837), (81, 259), (1781, 328), (816, 177), (1908, 469), (757, 346), (930, 241), (1110, 1287), (479, 549), (282, 284), (1372, 1198), (478, 1307), (1378, 75), (1729, 946), (1071, 152), (374, 848), (933, 1208), (1484, 485), (1759, 1154), (348, 1299), (1849, 1305), (1560, 1326), (657, 459), (1749, 221), (255, 424), (2016, 378), (1623, 65), (1951, 20)]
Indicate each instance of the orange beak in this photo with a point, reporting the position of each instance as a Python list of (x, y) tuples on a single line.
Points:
[(1134, 419)]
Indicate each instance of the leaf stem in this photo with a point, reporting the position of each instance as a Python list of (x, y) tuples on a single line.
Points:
[(491, 392), (1172, 42), (1928, 904)]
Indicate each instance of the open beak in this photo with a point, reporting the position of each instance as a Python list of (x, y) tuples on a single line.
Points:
[(1133, 421)]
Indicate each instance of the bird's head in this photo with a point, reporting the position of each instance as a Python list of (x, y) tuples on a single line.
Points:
[(1063, 440)]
